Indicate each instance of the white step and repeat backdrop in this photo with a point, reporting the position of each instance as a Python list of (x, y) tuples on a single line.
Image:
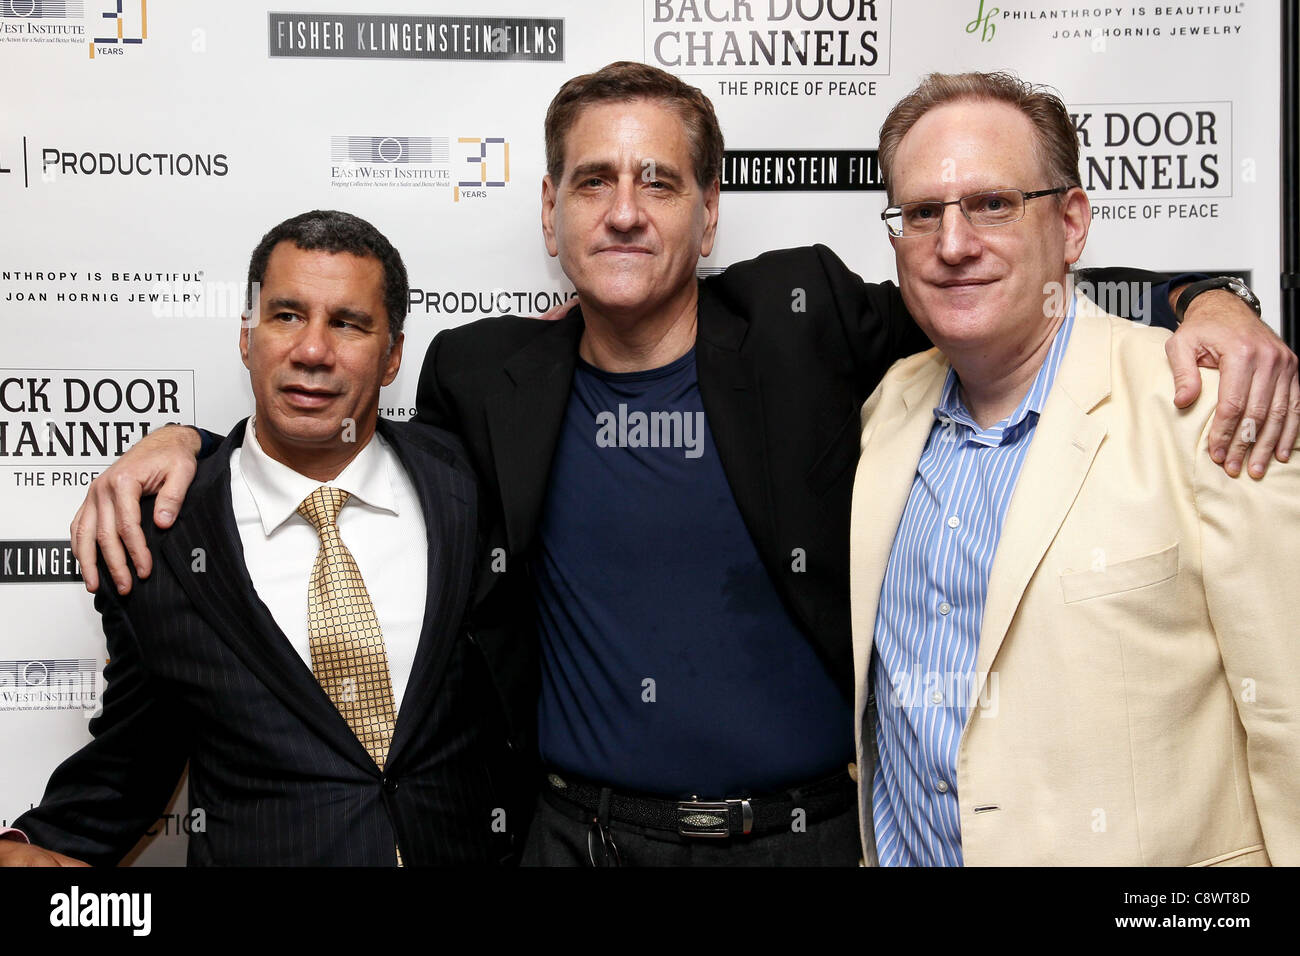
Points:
[(146, 146)]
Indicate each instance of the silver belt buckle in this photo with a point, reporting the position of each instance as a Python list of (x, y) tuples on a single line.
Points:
[(710, 819)]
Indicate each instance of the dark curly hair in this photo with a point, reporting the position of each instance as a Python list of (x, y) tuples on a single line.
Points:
[(332, 231)]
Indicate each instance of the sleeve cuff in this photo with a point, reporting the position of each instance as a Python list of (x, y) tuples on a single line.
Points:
[(208, 442), (9, 833), (1162, 312)]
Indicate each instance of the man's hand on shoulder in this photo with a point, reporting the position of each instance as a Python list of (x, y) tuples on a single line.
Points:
[(161, 463), (1259, 389), (18, 853)]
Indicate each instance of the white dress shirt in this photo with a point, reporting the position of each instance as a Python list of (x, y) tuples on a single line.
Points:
[(382, 524)]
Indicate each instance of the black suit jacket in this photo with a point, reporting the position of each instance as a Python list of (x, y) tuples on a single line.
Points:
[(200, 672), (789, 345)]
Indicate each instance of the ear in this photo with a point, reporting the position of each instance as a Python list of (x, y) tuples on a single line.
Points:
[(710, 217), (244, 332), (548, 215), (394, 360), (1076, 213)]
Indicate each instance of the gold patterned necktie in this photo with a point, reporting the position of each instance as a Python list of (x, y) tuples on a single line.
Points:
[(347, 646)]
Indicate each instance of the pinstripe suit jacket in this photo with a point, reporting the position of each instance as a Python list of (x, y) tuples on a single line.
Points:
[(200, 672)]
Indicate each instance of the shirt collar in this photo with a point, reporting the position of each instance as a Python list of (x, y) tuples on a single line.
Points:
[(277, 489), (952, 409)]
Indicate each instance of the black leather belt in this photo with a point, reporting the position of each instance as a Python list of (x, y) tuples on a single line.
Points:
[(708, 819)]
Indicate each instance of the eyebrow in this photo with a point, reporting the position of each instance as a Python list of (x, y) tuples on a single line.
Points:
[(974, 192), (662, 171), (356, 316), (583, 170), (666, 171)]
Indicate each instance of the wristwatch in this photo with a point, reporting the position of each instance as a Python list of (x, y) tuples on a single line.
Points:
[(1231, 283)]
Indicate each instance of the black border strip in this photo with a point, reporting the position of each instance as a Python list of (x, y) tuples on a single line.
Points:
[(1290, 278)]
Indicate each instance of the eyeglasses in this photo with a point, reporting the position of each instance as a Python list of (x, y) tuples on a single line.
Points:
[(1000, 207)]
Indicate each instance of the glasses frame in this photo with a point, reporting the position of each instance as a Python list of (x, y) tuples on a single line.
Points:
[(897, 211)]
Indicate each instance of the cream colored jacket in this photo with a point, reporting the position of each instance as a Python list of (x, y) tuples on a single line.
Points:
[(1139, 658)]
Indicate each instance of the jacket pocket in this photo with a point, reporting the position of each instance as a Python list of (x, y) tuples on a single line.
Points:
[(1121, 576)]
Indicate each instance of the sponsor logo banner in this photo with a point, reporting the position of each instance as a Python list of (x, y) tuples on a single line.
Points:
[(1154, 150), (39, 21), (108, 27), (1099, 25), (86, 416), (767, 37), (402, 150), (801, 170), (473, 168), (391, 162), (64, 162), (168, 294), (38, 562), (75, 684), (402, 37), (450, 300)]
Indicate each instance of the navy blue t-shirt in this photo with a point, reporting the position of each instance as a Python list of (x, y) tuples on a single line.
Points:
[(669, 663)]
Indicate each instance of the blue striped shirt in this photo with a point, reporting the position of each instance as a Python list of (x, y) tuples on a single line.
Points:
[(931, 610)]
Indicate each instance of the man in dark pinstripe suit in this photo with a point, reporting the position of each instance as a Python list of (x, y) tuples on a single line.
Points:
[(211, 661)]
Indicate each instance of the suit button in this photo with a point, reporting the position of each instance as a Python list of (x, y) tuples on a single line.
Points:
[(853, 772), (390, 785), (510, 745)]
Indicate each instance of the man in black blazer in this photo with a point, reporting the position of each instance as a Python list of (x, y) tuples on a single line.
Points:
[(783, 351), (201, 668), (666, 479)]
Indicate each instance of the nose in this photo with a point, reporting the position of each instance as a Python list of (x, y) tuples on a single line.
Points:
[(313, 346), (625, 211), (958, 240)]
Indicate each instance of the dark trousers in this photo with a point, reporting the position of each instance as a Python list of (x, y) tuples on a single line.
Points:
[(562, 834)]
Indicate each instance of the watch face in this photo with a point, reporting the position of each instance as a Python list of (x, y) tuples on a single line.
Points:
[(1243, 291)]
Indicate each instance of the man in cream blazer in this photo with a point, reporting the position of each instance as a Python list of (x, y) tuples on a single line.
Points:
[(1126, 689)]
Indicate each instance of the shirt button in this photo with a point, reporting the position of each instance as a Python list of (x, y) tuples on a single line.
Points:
[(954, 522), (936, 697), (942, 786), (944, 607)]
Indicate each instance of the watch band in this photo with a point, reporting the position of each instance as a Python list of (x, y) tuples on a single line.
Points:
[(1231, 283)]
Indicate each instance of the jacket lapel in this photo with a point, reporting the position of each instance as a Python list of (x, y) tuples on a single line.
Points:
[(1064, 446), (448, 505), (730, 392), (225, 597), (895, 433), (524, 421)]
